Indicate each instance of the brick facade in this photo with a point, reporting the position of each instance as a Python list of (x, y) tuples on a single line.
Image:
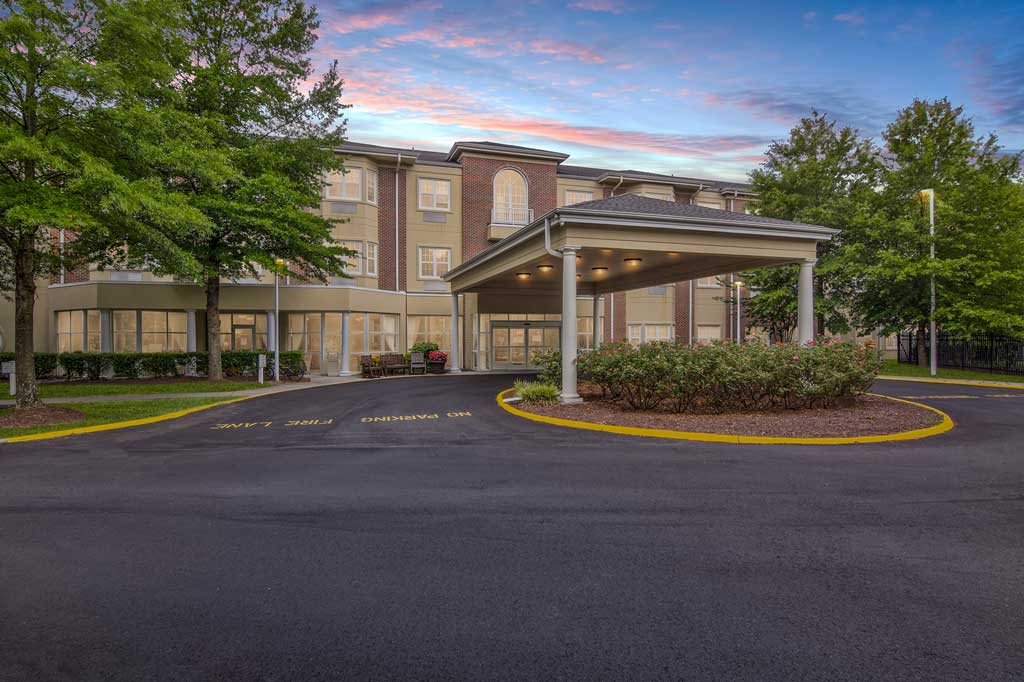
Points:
[(616, 302), (683, 321), (386, 230), (478, 195)]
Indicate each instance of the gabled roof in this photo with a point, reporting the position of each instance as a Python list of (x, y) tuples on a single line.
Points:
[(639, 205), (504, 149)]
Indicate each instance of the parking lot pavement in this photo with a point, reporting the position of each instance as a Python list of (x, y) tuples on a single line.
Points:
[(409, 529)]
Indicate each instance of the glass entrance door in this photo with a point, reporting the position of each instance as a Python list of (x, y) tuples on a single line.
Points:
[(515, 343), (243, 337)]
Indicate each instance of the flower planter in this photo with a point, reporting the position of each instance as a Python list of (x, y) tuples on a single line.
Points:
[(435, 367)]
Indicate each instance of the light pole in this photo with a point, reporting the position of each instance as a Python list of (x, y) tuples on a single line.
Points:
[(279, 262), (933, 351), (739, 316)]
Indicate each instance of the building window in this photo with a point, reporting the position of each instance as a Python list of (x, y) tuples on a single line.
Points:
[(577, 196), (434, 262), (708, 332), (657, 291), (371, 186), (646, 333), (78, 330), (243, 331), (434, 195), (304, 335), (163, 331), (346, 185), (353, 264), (510, 198), (585, 332), (430, 328), (370, 258), (126, 338), (708, 283)]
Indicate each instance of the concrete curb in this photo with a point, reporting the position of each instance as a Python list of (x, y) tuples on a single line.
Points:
[(955, 382)]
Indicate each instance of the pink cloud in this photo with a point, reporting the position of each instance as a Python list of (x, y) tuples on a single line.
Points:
[(567, 50), (437, 38), (852, 17), (610, 6), (379, 14)]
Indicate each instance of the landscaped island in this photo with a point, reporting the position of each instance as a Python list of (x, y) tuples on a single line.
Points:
[(787, 390)]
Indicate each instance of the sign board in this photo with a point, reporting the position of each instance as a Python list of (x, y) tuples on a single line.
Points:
[(261, 364), (7, 367)]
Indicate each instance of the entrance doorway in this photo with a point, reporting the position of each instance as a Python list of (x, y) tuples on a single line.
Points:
[(515, 343)]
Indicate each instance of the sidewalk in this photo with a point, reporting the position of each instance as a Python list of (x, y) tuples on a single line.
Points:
[(280, 388)]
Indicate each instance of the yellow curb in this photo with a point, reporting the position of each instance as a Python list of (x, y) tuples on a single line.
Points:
[(946, 424), (954, 382), (123, 425)]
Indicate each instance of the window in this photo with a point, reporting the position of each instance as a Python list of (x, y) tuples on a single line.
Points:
[(371, 186), (434, 261), (163, 331), (710, 204), (708, 283), (577, 196), (510, 203), (347, 185), (125, 331), (381, 333), (434, 195), (353, 264), (657, 291), (370, 257), (708, 332), (78, 330), (243, 331), (585, 332), (430, 328), (647, 333), (304, 335)]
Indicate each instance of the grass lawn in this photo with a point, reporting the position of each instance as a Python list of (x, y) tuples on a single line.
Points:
[(906, 370), (115, 411), (76, 389)]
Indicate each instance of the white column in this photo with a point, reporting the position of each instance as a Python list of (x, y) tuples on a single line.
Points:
[(190, 331), (597, 317), (805, 302), (271, 330), (453, 358), (569, 350), (107, 331), (345, 371)]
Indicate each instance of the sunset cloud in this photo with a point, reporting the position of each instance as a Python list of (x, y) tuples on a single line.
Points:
[(567, 50), (377, 14), (610, 6), (852, 17)]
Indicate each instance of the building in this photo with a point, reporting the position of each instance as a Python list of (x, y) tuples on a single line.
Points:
[(417, 218)]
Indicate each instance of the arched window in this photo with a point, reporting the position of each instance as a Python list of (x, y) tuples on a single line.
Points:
[(510, 199)]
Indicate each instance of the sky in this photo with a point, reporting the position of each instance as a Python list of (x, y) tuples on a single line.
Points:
[(696, 89)]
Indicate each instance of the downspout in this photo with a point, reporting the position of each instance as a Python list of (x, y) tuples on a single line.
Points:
[(690, 330), (698, 190), (547, 239), (398, 167)]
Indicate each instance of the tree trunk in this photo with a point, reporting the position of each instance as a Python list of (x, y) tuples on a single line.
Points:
[(214, 371), (24, 323), (922, 351)]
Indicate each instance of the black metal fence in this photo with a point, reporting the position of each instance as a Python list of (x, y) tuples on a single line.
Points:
[(983, 353)]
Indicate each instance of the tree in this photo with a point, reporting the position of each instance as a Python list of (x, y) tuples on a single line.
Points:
[(823, 175), (243, 91), (69, 68), (979, 230)]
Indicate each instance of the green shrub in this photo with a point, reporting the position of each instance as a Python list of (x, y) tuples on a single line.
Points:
[(161, 364), (73, 365), (726, 377), (96, 365), (125, 365), (424, 347), (536, 391), (550, 363)]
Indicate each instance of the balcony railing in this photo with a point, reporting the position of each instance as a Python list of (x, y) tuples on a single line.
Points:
[(508, 215)]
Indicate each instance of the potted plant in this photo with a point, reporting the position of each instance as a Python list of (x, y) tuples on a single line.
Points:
[(436, 361)]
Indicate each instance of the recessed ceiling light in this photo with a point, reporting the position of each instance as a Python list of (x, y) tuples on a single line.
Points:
[(523, 275), (600, 270), (632, 261), (545, 267)]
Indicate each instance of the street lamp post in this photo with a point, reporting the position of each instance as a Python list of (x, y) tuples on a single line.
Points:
[(739, 316), (277, 319), (933, 351)]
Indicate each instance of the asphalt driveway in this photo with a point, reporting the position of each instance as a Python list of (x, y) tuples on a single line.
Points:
[(409, 529)]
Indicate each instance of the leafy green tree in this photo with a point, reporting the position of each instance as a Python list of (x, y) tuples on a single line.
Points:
[(245, 91), (979, 230), (70, 68), (824, 175)]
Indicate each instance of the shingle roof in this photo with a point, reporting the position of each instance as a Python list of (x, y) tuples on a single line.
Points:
[(502, 148), (636, 204)]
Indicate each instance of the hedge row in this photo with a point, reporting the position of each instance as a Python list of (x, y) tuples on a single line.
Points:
[(94, 366), (725, 377)]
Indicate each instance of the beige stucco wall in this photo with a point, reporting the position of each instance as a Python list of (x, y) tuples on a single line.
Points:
[(419, 232)]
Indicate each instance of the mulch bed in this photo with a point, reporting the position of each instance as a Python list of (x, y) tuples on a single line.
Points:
[(867, 416), (39, 416)]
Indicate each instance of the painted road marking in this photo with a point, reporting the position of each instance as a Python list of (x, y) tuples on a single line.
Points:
[(267, 425), (415, 417), (963, 397)]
